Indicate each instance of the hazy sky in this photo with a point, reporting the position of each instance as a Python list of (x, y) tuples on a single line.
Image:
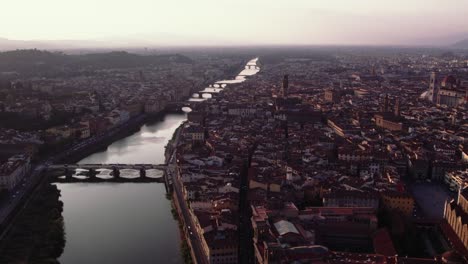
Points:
[(238, 21)]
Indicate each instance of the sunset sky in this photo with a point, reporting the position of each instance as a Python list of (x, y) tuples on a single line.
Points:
[(225, 22)]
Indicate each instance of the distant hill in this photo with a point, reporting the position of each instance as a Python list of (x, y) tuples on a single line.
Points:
[(463, 44), (55, 45), (44, 63), (10, 44)]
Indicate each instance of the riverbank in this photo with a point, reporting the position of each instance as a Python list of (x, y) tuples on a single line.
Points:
[(122, 131)]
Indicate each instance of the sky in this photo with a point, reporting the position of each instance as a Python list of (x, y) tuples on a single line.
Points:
[(233, 22)]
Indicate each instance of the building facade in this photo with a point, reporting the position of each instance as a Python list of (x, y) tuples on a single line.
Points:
[(13, 171), (447, 91), (456, 214)]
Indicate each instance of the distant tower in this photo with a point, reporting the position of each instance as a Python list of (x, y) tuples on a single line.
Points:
[(397, 107), (433, 91), (285, 86), (384, 106), (141, 76)]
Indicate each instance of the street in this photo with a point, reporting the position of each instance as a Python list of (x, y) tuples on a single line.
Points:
[(195, 241)]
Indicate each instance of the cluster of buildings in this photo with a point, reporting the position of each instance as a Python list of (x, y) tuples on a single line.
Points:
[(324, 159), (39, 115), (16, 150)]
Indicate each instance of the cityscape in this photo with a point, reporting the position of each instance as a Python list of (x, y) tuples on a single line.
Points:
[(264, 152)]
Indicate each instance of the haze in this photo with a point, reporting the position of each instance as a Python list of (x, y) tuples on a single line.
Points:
[(245, 22)]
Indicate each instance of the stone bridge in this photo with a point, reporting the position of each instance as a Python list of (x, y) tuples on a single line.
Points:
[(251, 67), (179, 105), (56, 170)]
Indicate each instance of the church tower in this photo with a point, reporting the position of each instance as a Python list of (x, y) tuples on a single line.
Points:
[(285, 86), (433, 90), (384, 106), (397, 107)]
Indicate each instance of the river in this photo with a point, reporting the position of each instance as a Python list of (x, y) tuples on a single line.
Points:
[(124, 223)]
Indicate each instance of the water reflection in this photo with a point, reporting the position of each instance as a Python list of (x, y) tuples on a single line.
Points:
[(186, 109), (249, 72), (145, 146), (119, 224)]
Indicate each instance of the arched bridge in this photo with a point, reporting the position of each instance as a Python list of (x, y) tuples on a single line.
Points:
[(179, 105), (68, 170), (251, 67), (108, 166)]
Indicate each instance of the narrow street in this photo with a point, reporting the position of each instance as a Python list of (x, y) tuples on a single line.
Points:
[(180, 203)]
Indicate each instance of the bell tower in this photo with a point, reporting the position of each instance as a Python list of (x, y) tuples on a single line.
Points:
[(397, 107), (285, 86), (433, 91)]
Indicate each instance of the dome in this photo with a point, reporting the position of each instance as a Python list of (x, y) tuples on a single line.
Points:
[(449, 80)]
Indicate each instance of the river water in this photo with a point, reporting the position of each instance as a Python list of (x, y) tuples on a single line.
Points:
[(123, 223)]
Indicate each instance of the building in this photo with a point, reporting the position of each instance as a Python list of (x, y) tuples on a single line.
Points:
[(364, 216), (456, 180), (196, 133), (456, 215), (343, 129), (13, 171), (447, 91), (401, 202), (221, 246), (283, 241), (354, 155), (153, 106), (196, 117), (332, 95), (218, 234), (63, 132), (388, 121), (361, 93), (351, 199)]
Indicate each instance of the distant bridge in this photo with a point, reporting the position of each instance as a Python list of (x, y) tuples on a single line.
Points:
[(252, 67), (179, 105), (108, 166), (68, 170)]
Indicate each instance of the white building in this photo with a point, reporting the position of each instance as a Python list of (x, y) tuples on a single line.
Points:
[(456, 180), (13, 171)]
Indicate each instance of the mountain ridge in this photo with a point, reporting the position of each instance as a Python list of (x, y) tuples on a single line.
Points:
[(462, 44), (31, 62)]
